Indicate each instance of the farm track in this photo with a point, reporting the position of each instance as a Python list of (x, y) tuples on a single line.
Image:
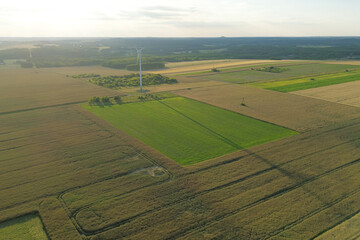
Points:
[(38, 108)]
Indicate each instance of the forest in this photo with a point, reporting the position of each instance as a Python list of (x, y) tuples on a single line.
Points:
[(120, 52)]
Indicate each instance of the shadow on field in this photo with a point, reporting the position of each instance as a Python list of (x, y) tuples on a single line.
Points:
[(299, 178)]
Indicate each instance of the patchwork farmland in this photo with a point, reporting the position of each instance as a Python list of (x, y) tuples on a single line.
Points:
[(215, 159)]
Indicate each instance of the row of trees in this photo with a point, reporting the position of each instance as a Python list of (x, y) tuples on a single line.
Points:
[(104, 100), (86, 75), (271, 69), (131, 80)]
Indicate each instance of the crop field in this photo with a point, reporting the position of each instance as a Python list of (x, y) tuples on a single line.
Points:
[(33, 88), (345, 93), (27, 227), (294, 70), (200, 66), (207, 131), (351, 62), (315, 82), (185, 167), (9, 64), (348, 230), (288, 110)]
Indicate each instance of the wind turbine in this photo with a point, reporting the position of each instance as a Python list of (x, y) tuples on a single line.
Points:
[(138, 61)]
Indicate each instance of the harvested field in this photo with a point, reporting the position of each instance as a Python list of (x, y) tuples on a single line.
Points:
[(345, 93), (348, 230), (288, 110), (207, 132), (343, 62), (33, 88)]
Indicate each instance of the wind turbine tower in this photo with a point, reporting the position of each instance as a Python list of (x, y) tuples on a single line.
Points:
[(139, 62)]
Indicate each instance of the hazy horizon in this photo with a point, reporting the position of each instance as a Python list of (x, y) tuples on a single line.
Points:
[(230, 18)]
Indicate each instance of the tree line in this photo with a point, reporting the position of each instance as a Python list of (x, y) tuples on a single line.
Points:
[(129, 80)]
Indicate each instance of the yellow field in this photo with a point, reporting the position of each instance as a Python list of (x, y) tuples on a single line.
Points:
[(348, 230), (206, 66), (345, 93), (343, 62)]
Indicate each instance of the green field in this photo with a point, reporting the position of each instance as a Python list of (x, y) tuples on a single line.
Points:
[(302, 70), (28, 227), (189, 131), (306, 83)]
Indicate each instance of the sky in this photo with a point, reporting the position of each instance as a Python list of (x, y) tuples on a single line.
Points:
[(179, 18)]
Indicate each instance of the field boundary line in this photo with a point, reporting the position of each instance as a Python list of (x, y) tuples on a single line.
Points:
[(38, 108)]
